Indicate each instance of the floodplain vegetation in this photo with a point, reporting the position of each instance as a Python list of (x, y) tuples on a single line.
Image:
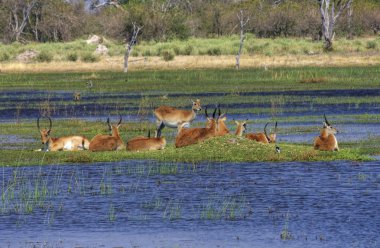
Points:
[(159, 85)]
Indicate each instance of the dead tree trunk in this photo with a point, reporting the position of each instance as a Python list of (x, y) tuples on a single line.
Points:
[(19, 20), (350, 13), (132, 42), (329, 18), (243, 20)]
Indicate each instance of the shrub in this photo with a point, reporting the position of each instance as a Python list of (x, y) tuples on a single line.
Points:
[(90, 58), (146, 53), (44, 57), (176, 50), (72, 57), (4, 56), (135, 53), (214, 51), (167, 55), (371, 45), (188, 50)]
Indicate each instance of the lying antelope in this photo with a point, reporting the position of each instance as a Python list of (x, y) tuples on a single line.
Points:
[(241, 127), (111, 142), (222, 128), (264, 137), (190, 136), (142, 143), (172, 117), (68, 143), (326, 141)]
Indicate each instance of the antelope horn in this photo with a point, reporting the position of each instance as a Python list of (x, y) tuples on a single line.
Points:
[(219, 112), (38, 123), (108, 123), (50, 124), (265, 131), (119, 121), (275, 128), (213, 114), (327, 122), (206, 112)]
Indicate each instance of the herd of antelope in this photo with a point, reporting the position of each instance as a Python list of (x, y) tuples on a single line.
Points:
[(180, 119)]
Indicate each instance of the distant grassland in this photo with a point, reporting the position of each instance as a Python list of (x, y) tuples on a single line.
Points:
[(192, 53)]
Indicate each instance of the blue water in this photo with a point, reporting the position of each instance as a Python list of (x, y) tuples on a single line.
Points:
[(151, 204)]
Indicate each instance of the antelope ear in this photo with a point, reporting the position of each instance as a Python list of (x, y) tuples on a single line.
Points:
[(223, 119), (324, 124), (191, 100), (237, 123), (48, 132)]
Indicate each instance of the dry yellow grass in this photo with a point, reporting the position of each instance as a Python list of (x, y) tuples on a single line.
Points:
[(195, 62)]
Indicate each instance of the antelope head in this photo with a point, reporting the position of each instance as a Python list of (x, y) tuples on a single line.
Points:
[(45, 133), (114, 129), (196, 105), (272, 136), (327, 127), (241, 127)]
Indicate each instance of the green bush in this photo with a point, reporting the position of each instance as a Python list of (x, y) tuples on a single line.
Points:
[(4, 56), (167, 55), (214, 51), (371, 45), (176, 50), (188, 50), (72, 57), (44, 56), (146, 53), (90, 58), (135, 53)]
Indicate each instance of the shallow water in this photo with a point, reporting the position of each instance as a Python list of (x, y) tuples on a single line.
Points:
[(150, 204)]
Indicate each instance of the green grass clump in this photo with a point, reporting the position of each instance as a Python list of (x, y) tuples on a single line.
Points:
[(168, 55), (89, 58), (44, 56), (4, 56), (72, 57)]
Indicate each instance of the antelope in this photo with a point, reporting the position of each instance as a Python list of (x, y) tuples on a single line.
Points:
[(111, 142), (190, 136), (68, 143), (326, 141), (264, 137), (222, 128), (172, 117), (142, 143), (241, 127), (77, 96)]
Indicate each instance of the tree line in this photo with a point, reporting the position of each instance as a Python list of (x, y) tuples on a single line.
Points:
[(65, 20)]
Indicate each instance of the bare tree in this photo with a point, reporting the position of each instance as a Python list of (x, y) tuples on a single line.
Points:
[(349, 17), (99, 4), (330, 16), (132, 42), (243, 20), (19, 16)]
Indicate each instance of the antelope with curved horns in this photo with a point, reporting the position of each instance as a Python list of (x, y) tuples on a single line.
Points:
[(142, 143), (326, 141), (68, 143), (241, 127), (172, 117), (222, 128), (264, 137), (111, 142), (190, 136)]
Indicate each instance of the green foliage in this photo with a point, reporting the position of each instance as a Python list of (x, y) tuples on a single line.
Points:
[(72, 57), (214, 52), (168, 55), (44, 56), (4, 56), (90, 58), (371, 45)]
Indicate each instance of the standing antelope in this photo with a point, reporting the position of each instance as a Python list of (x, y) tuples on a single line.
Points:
[(111, 142), (264, 137), (172, 117), (241, 127), (326, 141), (68, 143), (141, 143), (190, 136)]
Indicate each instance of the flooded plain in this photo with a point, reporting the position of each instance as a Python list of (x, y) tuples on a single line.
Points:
[(151, 204)]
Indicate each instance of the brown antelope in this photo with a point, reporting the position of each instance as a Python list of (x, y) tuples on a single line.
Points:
[(264, 137), (142, 143), (241, 127), (326, 141), (190, 136), (172, 117), (111, 142), (68, 143), (222, 128)]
